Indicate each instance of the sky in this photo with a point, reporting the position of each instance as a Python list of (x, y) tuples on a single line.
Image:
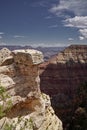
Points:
[(43, 22)]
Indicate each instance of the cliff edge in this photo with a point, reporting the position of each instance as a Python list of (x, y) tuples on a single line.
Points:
[(22, 105), (61, 77)]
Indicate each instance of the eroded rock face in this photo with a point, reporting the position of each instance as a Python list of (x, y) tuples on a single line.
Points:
[(64, 71), (24, 106), (5, 54), (61, 76), (73, 54)]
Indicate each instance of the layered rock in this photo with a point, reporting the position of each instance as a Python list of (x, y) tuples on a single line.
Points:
[(73, 54), (65, 70), (22, 104), (61, 76)]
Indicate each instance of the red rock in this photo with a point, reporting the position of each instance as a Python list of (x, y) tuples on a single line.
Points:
[(62, 75)]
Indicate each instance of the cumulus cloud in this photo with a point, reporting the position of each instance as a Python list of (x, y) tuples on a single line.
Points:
[(81, 38), (83, 32), (18, 36), (78, 7), (77, 21)]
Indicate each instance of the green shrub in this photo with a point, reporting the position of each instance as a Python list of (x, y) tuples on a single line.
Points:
[(4, 96), (8, 127)]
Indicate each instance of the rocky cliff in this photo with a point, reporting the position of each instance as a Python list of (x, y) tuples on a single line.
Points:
[(61, 76), (5, 54), (22, 105)]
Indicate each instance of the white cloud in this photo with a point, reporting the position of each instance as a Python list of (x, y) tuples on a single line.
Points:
[(81, 38), (49, 45), (53, 26), (77, 21), (18, 36), (70, 39), (1, 33), (41, 3), (83, 32), (78, 7), (48, 17)]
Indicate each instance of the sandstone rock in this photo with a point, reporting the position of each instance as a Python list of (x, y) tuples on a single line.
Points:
[(7, 61), (28, 57), (74, 53), (65, 71), (4, 53), (23, 106), (61, 76)]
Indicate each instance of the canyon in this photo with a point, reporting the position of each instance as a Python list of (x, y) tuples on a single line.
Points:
[(47, 51), (61, 76)]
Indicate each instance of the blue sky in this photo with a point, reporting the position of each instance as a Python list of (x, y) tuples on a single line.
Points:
[(43, 22)]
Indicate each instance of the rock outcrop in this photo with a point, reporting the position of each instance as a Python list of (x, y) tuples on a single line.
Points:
[(73, 54), (61, 76), (64, 71), (5, 54), (22, 105)]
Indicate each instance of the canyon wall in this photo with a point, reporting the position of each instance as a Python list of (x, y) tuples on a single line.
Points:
[(22, 104), (61, 76)]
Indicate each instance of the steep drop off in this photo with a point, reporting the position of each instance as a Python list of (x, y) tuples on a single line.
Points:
[(22, 105), (61, 77)]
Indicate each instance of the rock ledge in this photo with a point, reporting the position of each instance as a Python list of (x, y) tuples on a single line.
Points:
[(22, 105)]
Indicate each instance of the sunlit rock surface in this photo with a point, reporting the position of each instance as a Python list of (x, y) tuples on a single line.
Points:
[(4, 54), (23, 105)]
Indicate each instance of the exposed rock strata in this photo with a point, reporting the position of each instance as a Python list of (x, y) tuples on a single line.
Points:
[(61, 76), (24, 106), (65, 70)]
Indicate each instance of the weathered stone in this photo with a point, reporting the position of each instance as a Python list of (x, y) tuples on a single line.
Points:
[(62, 75), (28, 57), (74, 53), (24, 105), (4, 53), (7, 61)]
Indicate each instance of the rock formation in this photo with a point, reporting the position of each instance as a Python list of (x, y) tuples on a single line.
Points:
[(61, 76), (65, 70), (5, 54), (22, 105)]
